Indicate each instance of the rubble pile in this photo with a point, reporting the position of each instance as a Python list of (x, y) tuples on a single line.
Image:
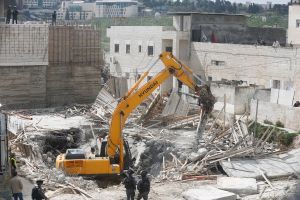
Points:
[(58, 141), (155, 154)]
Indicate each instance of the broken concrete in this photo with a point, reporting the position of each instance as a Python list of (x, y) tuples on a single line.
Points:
[(208, 193), (240, 186), (283, 165)]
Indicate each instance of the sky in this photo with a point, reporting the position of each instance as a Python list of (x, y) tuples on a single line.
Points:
[(262, 1)]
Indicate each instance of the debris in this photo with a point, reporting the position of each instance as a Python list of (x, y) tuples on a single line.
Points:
[(240, 186), (208, 193)]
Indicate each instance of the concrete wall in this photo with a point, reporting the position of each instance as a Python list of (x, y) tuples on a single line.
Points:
[(23, 44), (293, 30), (75, 62), (237, 97), (32, 77), (258, 65), (288, 115), (23, 86)]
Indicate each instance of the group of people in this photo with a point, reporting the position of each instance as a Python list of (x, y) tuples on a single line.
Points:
[(12, 13), (143, 185), (16, 185)]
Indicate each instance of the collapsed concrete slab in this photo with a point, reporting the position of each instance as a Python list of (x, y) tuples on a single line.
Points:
[(240, 186), (208, 193), (273, 167)]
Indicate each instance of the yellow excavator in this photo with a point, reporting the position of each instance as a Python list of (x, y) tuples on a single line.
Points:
[(115, 155)]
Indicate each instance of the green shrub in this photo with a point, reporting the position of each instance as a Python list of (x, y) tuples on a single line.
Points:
[(287, 139), (279, 124), (268, 122)]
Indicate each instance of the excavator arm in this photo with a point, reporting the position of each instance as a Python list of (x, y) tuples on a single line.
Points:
[(136, 96)]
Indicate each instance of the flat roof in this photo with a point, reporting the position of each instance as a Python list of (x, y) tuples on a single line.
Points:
[(204, 13)]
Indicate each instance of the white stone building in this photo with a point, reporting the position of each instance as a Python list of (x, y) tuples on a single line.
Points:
[(40, 4), (31, 3), (116, 8), (80, 10), (77, 10), (233, 58), (134, 49), (294, 23)]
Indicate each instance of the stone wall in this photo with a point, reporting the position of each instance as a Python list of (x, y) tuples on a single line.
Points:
[(288, 115), (233, 29)]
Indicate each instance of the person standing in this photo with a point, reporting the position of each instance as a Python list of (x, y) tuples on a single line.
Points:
[(143, 186), (38, 193), (54, 18), (130, 185), (8, 15), (16, 186), (15, 15), (13, 163)]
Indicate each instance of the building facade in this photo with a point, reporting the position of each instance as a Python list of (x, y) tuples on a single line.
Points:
[(294, 23), (119, 8), (216, 46), (132, 54), (80, 10)]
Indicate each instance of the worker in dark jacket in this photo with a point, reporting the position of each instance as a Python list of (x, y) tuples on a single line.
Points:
[(15, 15), (8, 15), (143, 186), (38, 193), (130, 185)]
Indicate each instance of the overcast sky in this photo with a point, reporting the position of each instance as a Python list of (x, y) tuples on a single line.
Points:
[(262, 1)]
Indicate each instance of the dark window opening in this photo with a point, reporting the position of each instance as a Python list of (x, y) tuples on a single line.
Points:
[(150, 50), (140, 48), (127, 48), (217, 62), (117, 47), (169, 49)]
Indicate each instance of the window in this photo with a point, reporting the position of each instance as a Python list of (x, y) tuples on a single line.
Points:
[(217, 62), (209, 78), (298, 23), (150, 50), (276, 84), (117, 47), (169, 49), (127, 48), (140, 48)]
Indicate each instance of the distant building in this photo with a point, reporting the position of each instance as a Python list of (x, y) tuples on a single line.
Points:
[(80, 10), (116, 8), (76, 10), (30, 3), (40, 4)]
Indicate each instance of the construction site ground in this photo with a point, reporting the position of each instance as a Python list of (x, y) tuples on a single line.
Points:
[(176, 159)]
